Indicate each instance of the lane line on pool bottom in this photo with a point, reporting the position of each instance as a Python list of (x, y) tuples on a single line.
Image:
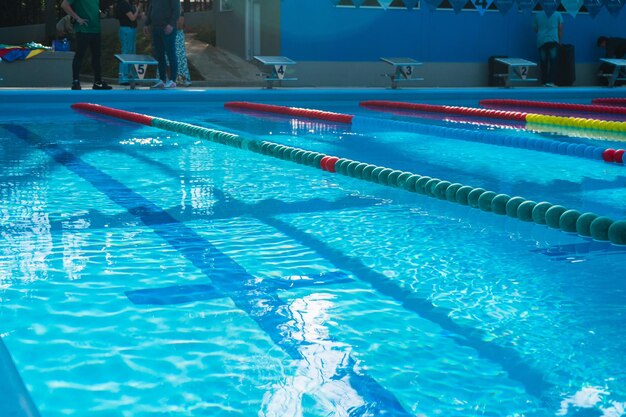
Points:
[(227, 276), (587, 225), (15, 400)]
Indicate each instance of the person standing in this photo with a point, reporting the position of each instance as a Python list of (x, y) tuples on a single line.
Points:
[(161, 18), (549, 33), (86, 14), (184, 77), (127, 13)]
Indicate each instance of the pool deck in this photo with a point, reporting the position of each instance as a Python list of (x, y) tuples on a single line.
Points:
[(438, 95)]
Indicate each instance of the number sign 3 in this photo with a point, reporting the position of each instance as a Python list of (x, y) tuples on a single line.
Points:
[(407, 71)]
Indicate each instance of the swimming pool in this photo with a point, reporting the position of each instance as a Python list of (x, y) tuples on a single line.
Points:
[(146, 272)]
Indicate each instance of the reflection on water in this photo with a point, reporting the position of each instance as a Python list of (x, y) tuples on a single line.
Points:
[(319, 372), (603, 135), (590, 400)]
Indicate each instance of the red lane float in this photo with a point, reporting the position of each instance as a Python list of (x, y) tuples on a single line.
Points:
[(328, 163), (433, 108), (120, 114), (291, 111), (587, 108), (610, 101), (613, 155)]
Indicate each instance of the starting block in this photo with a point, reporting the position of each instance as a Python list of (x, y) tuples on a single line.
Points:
[(137, 68), (518, 70), (279, 65), (403, 70), (619, 69)]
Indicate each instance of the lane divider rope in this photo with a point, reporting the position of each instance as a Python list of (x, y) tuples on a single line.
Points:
[(577, 122), (291, 111), (614, 101), (515, 141), (587, 224), (587, 108)]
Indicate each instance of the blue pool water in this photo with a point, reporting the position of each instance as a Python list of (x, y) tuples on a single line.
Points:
[(149, 273)]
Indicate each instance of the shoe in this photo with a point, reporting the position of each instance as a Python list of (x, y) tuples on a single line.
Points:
[(170, 84), (160, 85), (101, 85), (124, 83), (549, 85), (76, 85), (181, 80)]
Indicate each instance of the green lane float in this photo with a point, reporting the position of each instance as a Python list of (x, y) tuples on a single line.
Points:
[(553, 216), (462, 195), (473, 196), (617, 232), (420, 184), (440, 189), (451, 192), (599, 228), (583, 224), (485, 201), (539, 212), (569, 221), (499, 202), (525, 210), (512, 205)]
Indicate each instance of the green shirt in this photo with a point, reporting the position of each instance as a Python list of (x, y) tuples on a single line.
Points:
[(89, 10)]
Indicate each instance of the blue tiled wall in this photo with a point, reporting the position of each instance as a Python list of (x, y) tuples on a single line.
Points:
[(315, 30)]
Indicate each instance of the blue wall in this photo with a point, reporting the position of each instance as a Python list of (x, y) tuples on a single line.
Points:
[(315, 30)]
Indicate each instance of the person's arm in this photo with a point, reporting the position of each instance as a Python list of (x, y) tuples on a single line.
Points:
[(174, 15), (560, 32), (133, 16), (61, 32), (67, 8), (148, 22)]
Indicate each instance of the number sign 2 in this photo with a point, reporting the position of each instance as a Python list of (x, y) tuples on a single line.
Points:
[(522, 72)]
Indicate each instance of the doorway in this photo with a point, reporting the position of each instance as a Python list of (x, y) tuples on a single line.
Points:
[(253, 28)]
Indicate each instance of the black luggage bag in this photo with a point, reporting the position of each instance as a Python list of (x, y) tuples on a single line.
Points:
[(605, 71), (565, 73)]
